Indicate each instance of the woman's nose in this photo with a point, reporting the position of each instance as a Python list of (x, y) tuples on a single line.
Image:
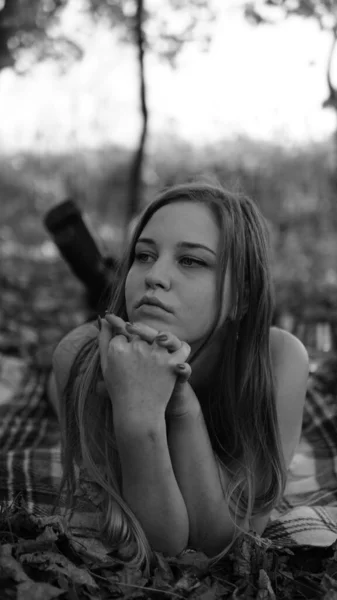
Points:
[(158, 275)]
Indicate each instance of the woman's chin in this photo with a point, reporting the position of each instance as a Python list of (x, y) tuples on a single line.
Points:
[(152, 321), (151, 314)]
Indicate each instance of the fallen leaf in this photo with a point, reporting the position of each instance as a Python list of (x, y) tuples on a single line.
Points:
[(197, 560), (331, 595), (92, 549), (187, 583), (31, 546), (31, 590), (328, 583), (57, 564), (162, 570), (49, 534), (266, 591), (10, 568), (243, 559), (213, 592)]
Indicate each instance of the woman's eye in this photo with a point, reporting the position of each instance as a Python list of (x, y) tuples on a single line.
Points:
[(198, 263), (141, 256)]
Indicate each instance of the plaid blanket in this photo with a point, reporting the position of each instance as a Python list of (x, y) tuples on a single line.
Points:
[(30, 463)]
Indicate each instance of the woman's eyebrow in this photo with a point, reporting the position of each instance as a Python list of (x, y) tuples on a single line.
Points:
[(179, 245)]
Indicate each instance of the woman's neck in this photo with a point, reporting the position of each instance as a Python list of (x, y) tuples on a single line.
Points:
[(203, 368)]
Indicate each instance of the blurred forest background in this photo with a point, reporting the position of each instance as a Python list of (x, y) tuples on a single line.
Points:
[(55, 143)]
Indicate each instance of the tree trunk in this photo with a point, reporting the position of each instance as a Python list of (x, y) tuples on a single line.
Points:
[(136, 172), (331, 100), (7, 29)]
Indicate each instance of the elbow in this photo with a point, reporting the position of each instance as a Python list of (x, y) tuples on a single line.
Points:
[(222, 538), (214, 547), (170, 548), (220, 541)]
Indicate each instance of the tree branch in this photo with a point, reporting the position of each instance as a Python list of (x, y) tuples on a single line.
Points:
[(331, 101), (135, 185)]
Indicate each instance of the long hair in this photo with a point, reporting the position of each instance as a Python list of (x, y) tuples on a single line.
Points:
[(239, 409)]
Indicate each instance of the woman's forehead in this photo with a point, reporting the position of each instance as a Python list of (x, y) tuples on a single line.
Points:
[(183, 221)]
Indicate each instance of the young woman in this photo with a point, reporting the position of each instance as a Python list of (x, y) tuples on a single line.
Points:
[(189, 433)]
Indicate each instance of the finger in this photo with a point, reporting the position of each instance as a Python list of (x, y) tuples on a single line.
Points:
[(183, 371), (148, 334), (168, 340), (117, 325), (104, 339), (182, 354)]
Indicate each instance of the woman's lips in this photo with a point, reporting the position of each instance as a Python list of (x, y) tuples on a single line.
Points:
[(152, 308)]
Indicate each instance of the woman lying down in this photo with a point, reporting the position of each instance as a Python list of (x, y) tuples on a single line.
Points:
[(185, 405)]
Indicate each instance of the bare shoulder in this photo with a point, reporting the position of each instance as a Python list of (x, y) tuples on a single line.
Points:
[(67, 349), (287, 352), (290, 364)]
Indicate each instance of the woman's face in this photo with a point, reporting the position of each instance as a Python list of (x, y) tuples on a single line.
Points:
[(171, 266)]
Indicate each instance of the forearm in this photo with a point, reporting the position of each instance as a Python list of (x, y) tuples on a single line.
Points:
[(149, 485), (210, 525)]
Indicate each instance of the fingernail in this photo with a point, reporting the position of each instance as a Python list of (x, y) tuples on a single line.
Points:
[(162, 337), (128, 325), (99, 321), (181, 367)]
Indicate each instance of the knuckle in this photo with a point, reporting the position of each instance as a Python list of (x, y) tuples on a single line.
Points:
[(172, 339), (187, 347), (137, 343), (117, 342), (136, 337), (162, 332)]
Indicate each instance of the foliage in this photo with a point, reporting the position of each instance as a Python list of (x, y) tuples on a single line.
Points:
[(27, 25), (167, 26), (32, 26), (323, 11), (294, 190), (24, 26), (39, 558)]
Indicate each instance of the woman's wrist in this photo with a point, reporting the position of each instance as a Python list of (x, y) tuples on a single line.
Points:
[(183, 404), (138, 422), (187, 413)]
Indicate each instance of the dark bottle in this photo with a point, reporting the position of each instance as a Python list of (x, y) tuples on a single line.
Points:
[(72, 237)]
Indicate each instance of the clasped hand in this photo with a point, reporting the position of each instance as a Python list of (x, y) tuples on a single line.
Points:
[(145, 375)]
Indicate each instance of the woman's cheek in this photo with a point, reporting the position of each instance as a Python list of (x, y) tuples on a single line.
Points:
[(129, 293), (203, 321)]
